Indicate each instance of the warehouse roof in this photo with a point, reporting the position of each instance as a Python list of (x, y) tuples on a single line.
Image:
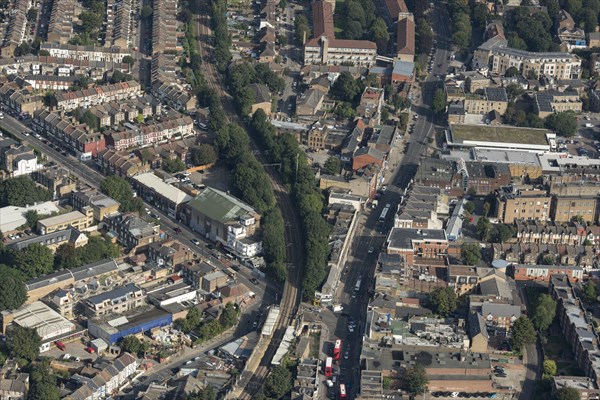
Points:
[(167, 191), (220, 206)]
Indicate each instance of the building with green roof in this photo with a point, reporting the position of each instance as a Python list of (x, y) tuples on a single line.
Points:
[(223, 218)]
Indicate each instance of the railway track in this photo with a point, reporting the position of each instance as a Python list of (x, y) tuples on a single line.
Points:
[(291, 293)]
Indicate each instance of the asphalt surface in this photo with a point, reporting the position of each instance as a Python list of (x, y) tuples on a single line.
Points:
[(361, 263)]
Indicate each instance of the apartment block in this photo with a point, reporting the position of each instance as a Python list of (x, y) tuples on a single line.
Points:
[(543, 273), (115, 301), (564, 208), (486, 100), (498, 57), (551, 101), (16, 13), (132, 232), (164, 26), (55, 179), (324, 48), (405, 37), (524, 204), (101, 205), (576, 326), (417, 244), (222, 218), (73, 219)]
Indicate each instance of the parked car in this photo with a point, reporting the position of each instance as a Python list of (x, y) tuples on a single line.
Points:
[(196, 242), (90, 350)]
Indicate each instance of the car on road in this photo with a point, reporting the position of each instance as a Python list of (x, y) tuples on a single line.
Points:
[(346, 355), (26, 133), (196, 242), (254, 281), (371, 250), (155, 216), (177, 230), (454, 394)]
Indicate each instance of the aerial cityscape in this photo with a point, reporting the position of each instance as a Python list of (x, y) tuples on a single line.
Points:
[(299, 199)]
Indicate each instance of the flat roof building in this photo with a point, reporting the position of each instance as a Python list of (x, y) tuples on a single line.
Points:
[(73, 219), (499, 137), (165, 196), (12, 217), (111, 329)]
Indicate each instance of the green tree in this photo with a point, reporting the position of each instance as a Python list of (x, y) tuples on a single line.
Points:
[(229, 317), (549, 259), (502, 233), (590, 291), (346, 88), (204, 154), (511, 71), (279, 382), (139, 119), (232, 142), (563, 123), (486, 209), (333, 166), (567, 393), (32, 14), (90, 120), (578, 219), (12, 289), (471, 253), (34, 260), (273, 238), (301, 29), (523, 333), (484, 228), (469, 207), (128, 60), (66, 257), (415, 380), (98, 248), (173, 165), (439, 102), (544, 312), (32, 217), (146, 12), (120, 190), (380, 35), (23, 343), (442, 300), (131, 344), (42, 385), (549, 368), (208, 393), (21, 191)]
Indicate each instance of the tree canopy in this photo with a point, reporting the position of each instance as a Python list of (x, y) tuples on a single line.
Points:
[(131, 344), (442, 300), (278, 383), (12, 289), (471, 253), (33, 260), (416, 380), (333, 166), (346, 88), (439, 102), (567, 393), (120, 190), (172, 165), (563, 123), (544, 312), (523, 333), (589, 290), (42, 383), (204, 154), (208, 393), (21, 191), (23, 343)]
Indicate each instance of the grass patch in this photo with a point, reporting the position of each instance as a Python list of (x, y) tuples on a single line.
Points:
[(315, 345), (498, 134), (555, 346)]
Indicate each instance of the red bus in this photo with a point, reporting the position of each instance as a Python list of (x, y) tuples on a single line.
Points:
[(337, 350), (342, 391), (329, 367)]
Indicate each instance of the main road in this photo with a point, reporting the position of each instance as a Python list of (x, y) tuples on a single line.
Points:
[(368, 240), (252, 382)]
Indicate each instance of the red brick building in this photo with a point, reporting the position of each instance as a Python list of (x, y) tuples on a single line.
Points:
[(542, 273)]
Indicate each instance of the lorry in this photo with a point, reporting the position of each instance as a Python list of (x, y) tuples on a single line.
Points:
[(337, 307), (588, 125)]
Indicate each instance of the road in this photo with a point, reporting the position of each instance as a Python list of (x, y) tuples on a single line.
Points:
[(86, 174), (252, 382), (360, 262)]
